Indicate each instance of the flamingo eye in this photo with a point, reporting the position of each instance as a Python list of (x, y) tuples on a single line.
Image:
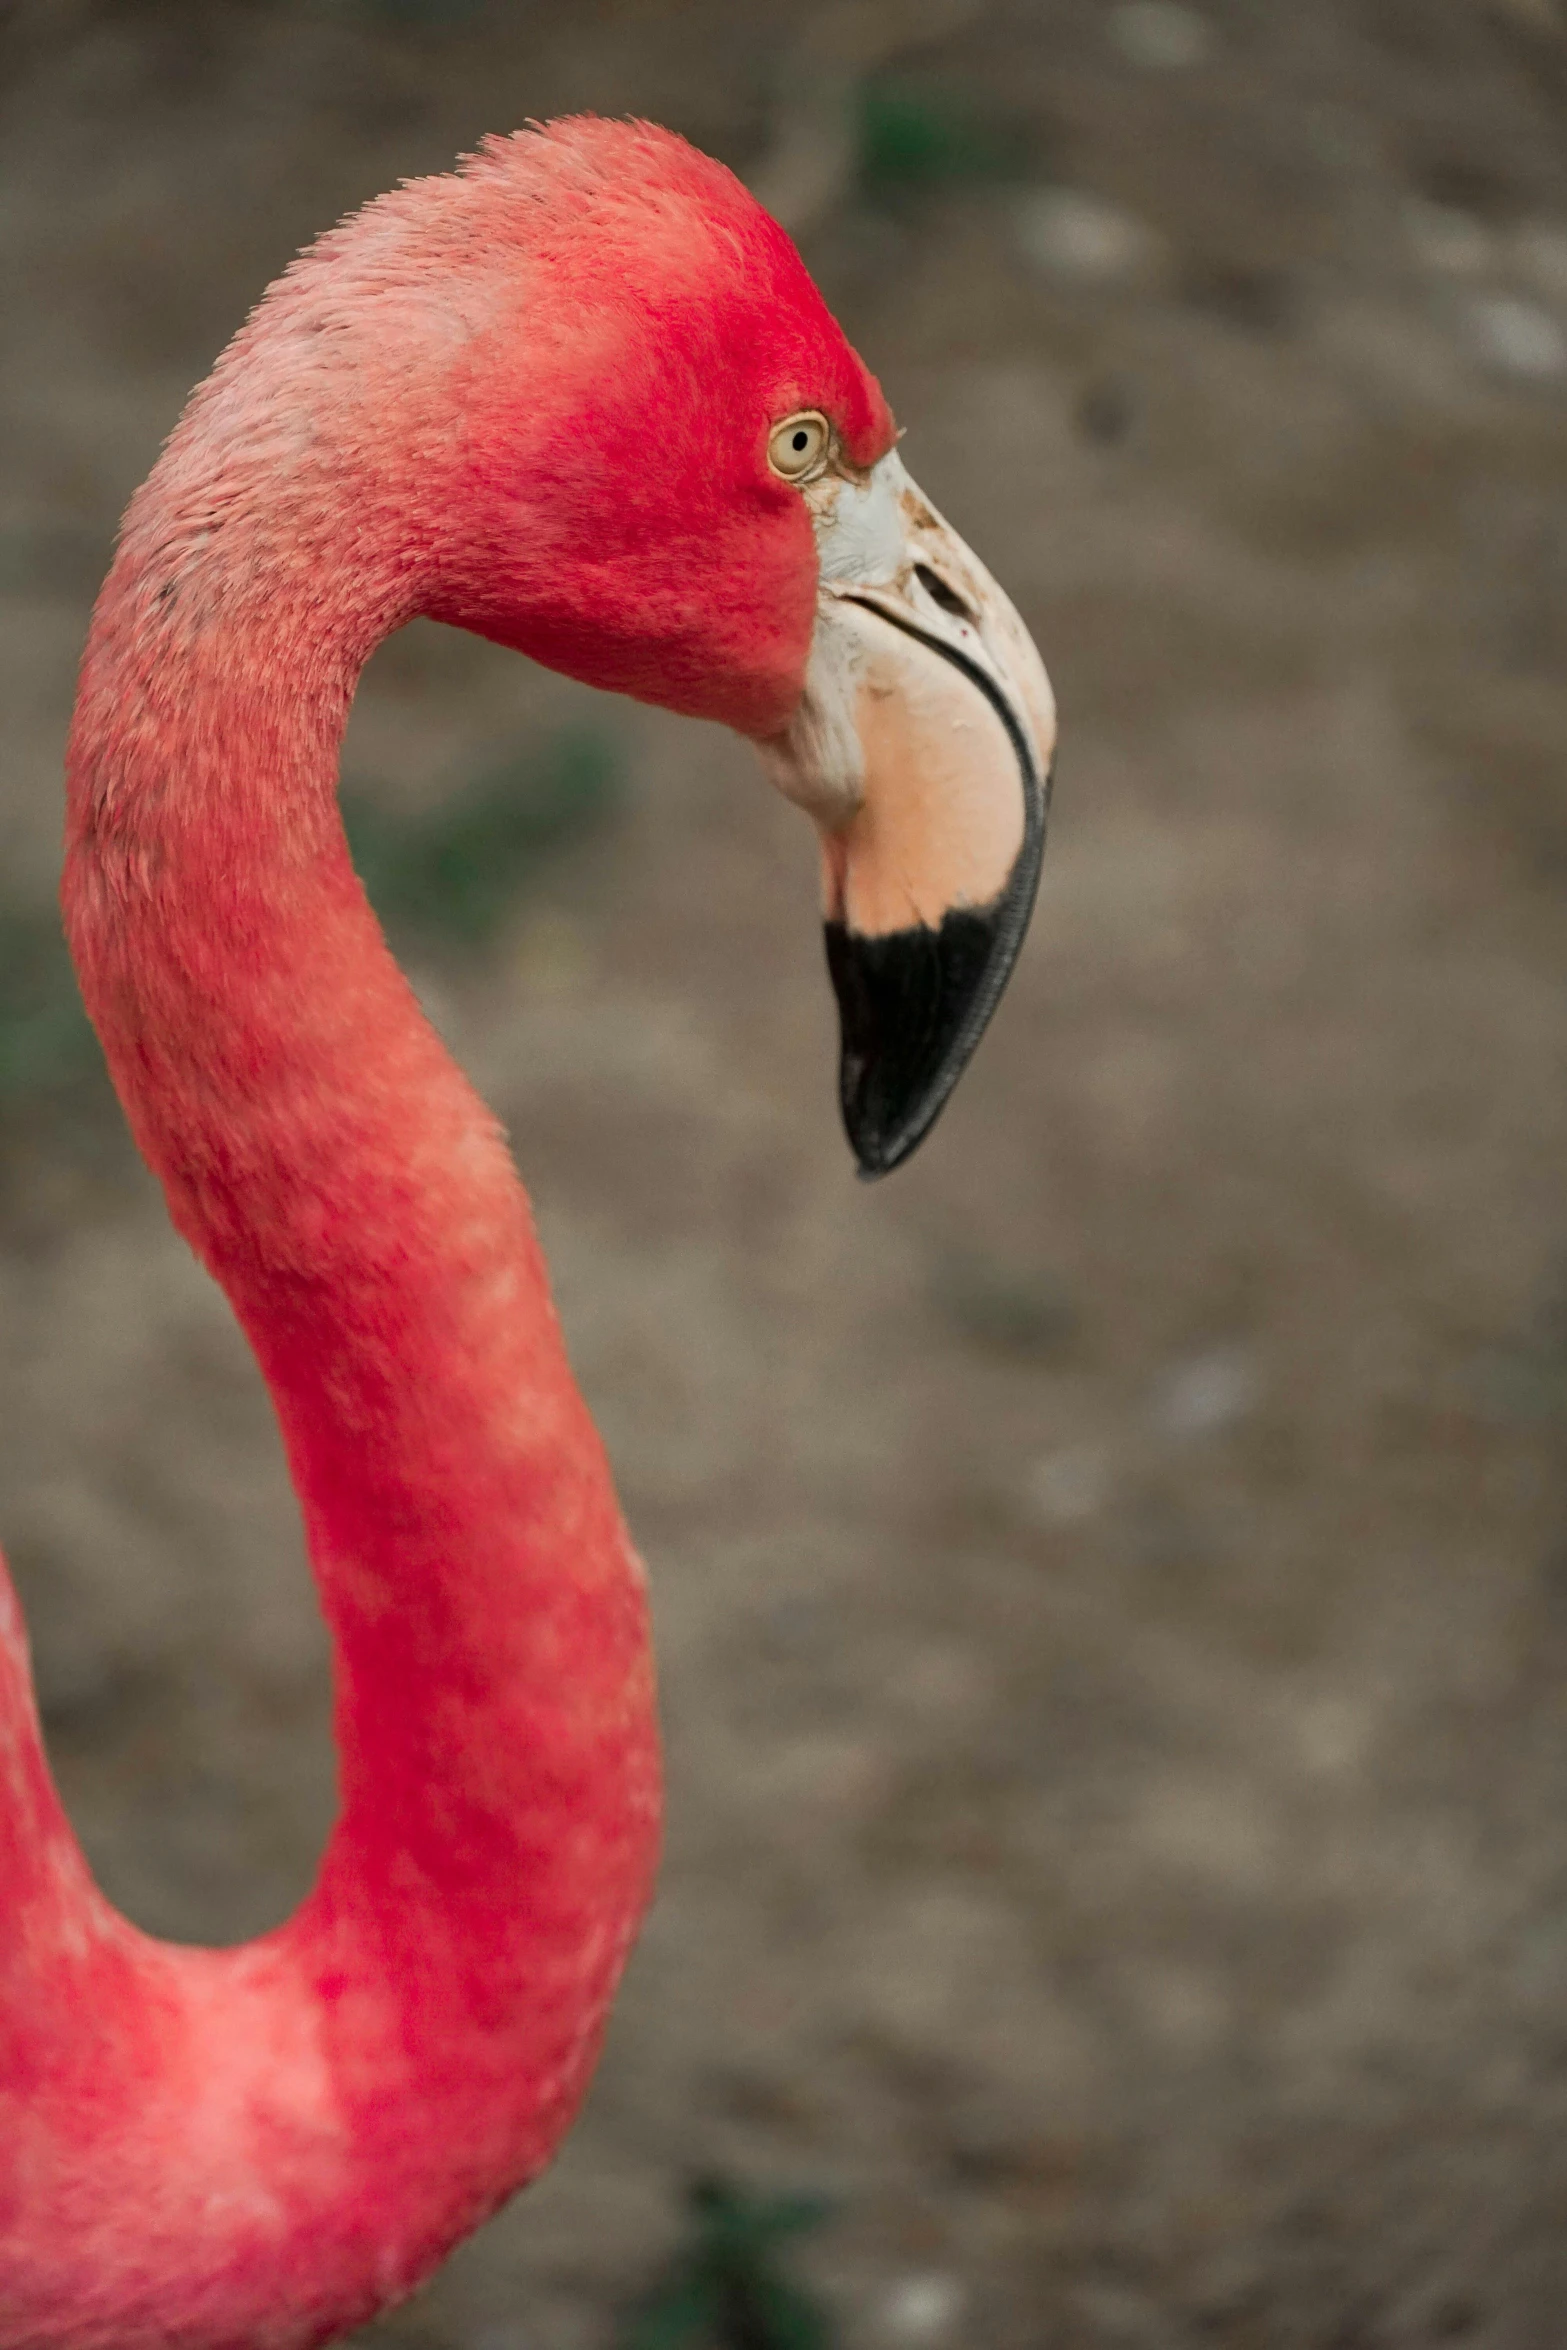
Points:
[(799, 446)]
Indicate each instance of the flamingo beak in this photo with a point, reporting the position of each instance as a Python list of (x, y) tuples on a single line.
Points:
[(922, 747)]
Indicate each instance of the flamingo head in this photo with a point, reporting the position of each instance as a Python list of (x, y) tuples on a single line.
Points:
[(670, 475)]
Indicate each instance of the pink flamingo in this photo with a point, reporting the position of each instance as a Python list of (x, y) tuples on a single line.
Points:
[(579, 396)]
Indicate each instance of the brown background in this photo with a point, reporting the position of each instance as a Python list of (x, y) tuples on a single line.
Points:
[(1111, 1579)]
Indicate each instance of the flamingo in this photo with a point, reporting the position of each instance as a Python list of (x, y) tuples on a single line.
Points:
[(580, 396)]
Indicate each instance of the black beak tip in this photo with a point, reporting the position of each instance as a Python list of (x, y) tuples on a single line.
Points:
[(913, 1004), (883, 1128), (871, 1161)]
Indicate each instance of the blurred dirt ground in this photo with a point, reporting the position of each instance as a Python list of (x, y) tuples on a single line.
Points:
[(1112, 1579)]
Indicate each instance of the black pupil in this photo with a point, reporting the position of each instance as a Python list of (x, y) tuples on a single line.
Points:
[(800, 439)]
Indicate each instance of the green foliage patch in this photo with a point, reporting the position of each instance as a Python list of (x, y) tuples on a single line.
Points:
[(724, 2289), (910, 141), (451, 876), (46, 1044)]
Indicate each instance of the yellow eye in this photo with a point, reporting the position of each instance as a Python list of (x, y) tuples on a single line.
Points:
[(799, 446)]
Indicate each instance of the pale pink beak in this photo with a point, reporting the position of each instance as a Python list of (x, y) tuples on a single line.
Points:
[(922, 747)]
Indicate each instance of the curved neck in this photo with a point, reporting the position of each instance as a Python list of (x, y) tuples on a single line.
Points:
[(340, 1179)]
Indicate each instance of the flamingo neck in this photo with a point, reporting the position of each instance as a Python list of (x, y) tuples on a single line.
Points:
[(337, 1175)]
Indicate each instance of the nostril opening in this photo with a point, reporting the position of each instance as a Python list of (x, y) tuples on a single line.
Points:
[(939, 593)]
